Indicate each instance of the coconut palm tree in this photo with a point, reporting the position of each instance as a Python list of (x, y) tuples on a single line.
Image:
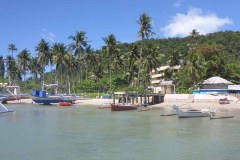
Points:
[(111, 51), (43, 53), (44, 56), (173, 60), (2, 67), (195, 67), (194, 35), (59, 58), (70, 66), (131, 64), (78, 46), (145, 22), (150, 62), (12, 48), (79, 43), (24, 59), (36, 68), (97, 64), (88, 58), (8, 65)]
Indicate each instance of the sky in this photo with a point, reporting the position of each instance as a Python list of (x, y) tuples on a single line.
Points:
[(26, 22)]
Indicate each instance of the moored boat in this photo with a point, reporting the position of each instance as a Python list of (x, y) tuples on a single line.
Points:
[(4, 109), (104, 105), (41, 97), (64, 103), (190, 113), (11, 93), (123, 107)]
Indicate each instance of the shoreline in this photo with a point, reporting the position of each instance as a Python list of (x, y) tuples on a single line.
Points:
[(166, 105)]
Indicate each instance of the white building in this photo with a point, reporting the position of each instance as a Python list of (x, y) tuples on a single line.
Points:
[(158, 83)]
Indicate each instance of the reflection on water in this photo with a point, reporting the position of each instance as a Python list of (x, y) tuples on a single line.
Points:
[(50, 132)]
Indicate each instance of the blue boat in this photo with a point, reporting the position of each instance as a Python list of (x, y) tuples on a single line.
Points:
[(41, 97)]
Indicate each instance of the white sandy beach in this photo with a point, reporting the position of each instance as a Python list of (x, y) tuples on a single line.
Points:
[(212, 105)]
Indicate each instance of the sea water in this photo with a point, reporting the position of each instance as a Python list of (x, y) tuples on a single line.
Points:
[(38, 132)]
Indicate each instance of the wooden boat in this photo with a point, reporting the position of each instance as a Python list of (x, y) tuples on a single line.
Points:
[(189, 113), (64, 103), (104, 105), (123, 107)]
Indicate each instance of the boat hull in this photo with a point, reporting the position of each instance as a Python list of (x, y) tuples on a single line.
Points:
[(48, 101), (64, 104), (192, 113), (123, 107)]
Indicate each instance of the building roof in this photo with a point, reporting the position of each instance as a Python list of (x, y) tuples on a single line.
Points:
[(216, 80)]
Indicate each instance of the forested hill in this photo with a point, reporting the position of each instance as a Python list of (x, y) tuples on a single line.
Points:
[(229, 40), (201, 57)]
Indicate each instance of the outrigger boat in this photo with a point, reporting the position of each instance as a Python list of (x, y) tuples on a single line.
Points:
[(5, 109), (42, 97), (11, 93), (190, 113)]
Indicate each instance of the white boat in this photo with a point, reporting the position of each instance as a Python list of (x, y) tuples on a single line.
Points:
[(11, 93), (189, 113), (4, 109)]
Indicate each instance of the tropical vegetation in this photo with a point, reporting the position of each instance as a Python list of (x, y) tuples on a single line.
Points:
[(124, 66)]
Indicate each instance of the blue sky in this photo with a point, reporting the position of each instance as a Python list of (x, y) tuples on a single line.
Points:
[(26, 22)]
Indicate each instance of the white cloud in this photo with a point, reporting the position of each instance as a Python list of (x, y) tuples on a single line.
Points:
[(182, 24), (48, 35)]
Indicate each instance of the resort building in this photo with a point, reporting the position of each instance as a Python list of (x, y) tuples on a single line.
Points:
[(217, 85), (158, 82)]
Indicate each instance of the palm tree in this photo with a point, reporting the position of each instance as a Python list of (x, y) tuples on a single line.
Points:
[(79, 43), (131, 64), (194, 35), (145, 22), (70, 65), (195, 68), (111, 51), (173, 60), (150, 61), (98, 65), (12, 48), (78, 46), (43, 53), (36, 68), (12, 70), (88, 58), (59, 51), (2, 67), (24, 60)]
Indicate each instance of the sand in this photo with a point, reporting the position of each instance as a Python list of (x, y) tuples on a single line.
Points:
[(167, 105)]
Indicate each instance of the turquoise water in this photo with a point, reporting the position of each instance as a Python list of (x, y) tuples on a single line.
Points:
[(36, 132)]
